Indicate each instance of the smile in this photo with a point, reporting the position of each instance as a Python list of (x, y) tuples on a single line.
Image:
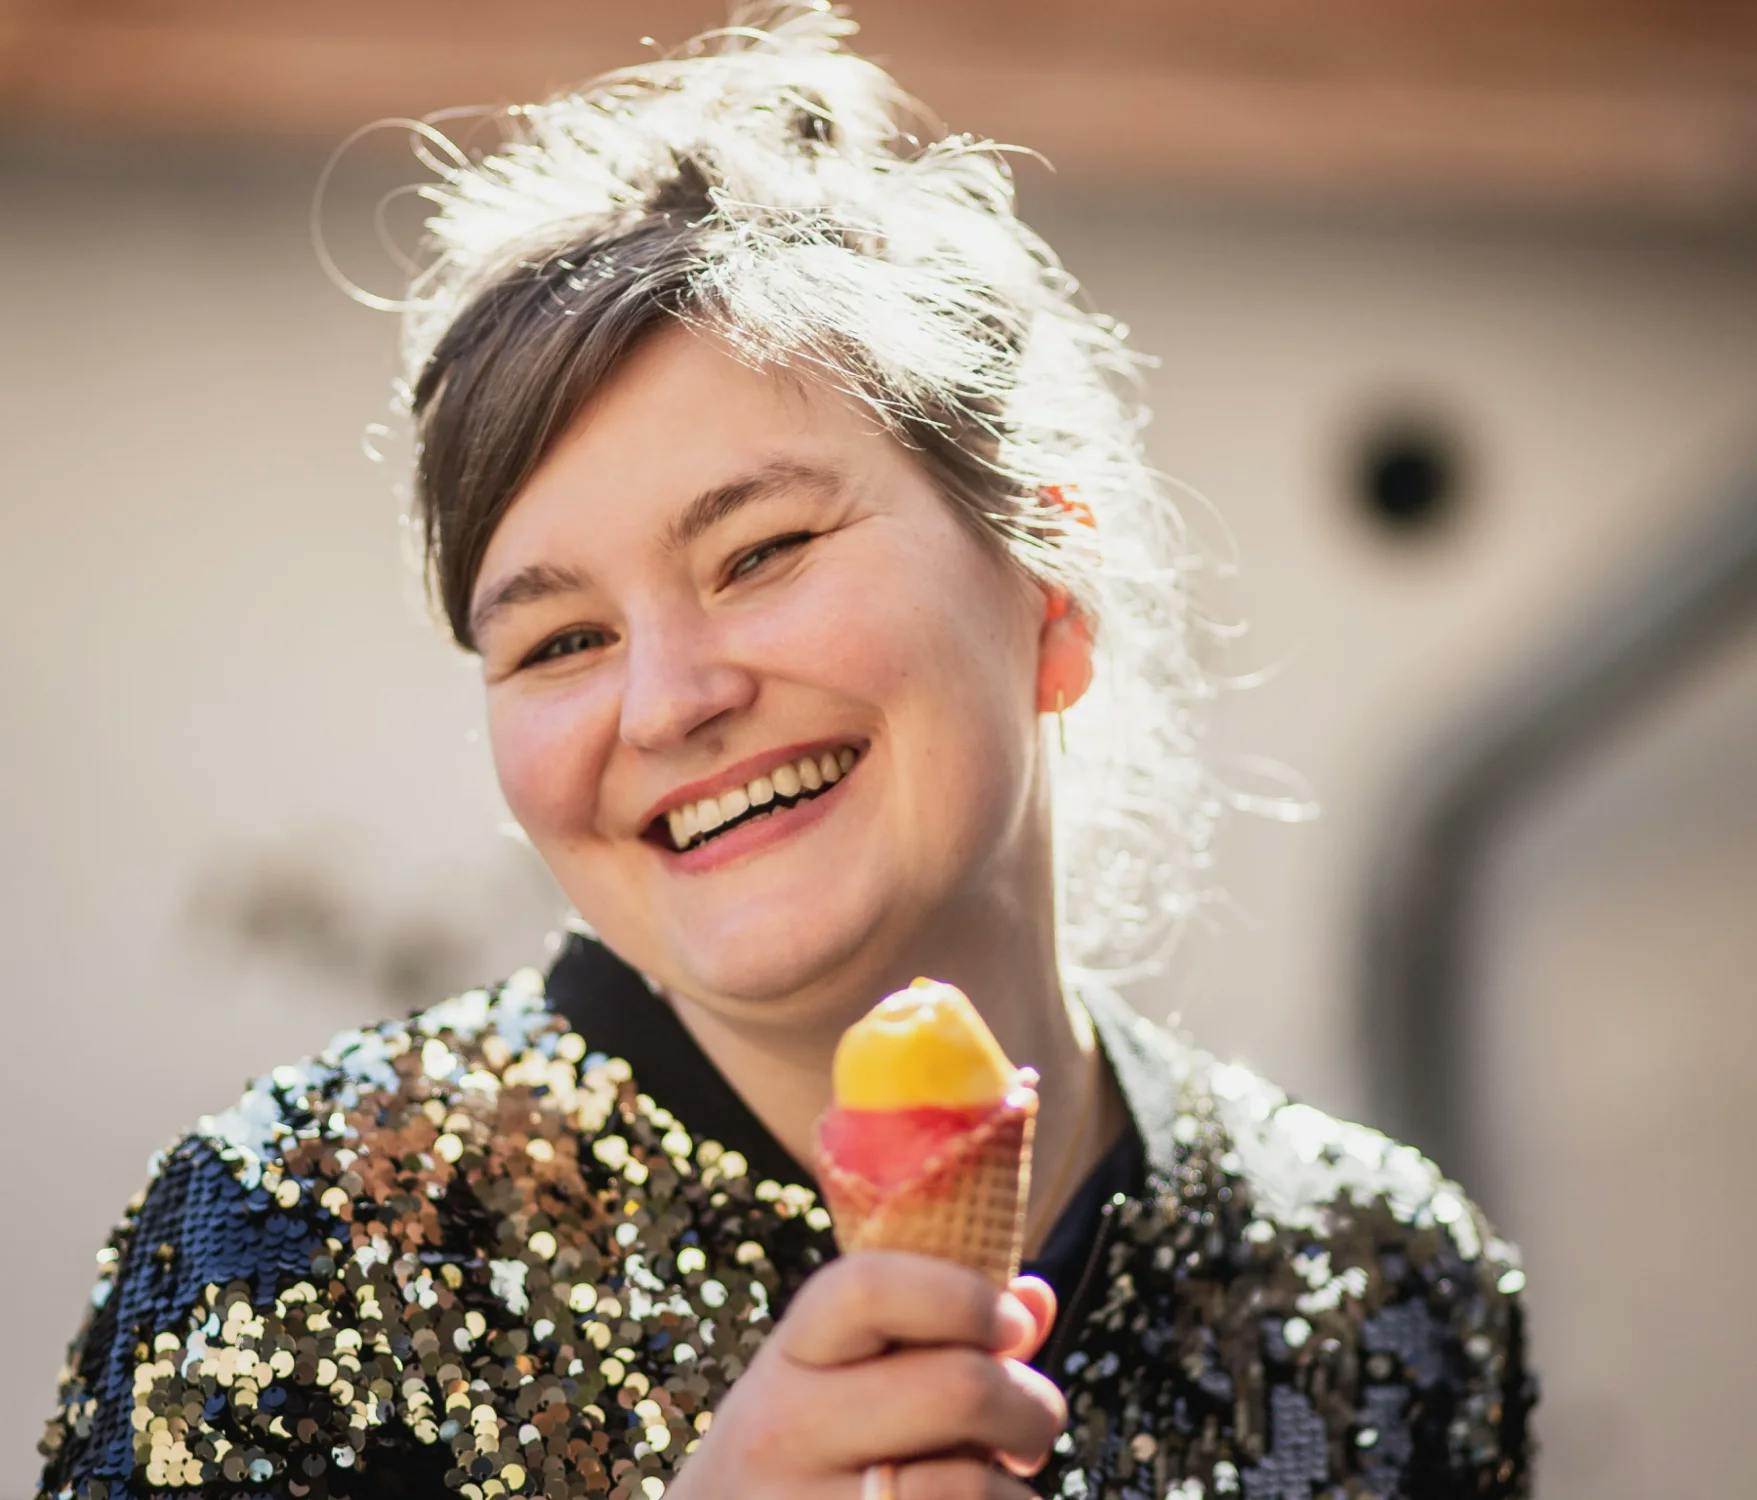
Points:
[(786, 786), (747, 819)]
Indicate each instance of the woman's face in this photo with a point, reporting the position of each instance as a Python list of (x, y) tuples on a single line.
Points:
[(714, 576)]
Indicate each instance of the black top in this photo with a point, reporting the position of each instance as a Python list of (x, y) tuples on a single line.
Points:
[(487, 1244)]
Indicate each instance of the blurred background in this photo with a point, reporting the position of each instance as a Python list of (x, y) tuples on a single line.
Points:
[(1456, 314)]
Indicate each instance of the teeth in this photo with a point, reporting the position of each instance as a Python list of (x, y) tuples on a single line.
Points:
[(810, 773)]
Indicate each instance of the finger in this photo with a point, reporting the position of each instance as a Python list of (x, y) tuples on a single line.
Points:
[(955, 1479), (1038, 1299), (1012, 1465), (984, 1458), (922, 1403), (873, 1300)]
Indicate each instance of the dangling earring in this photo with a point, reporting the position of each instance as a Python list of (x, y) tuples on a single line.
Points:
[(1061, 728)]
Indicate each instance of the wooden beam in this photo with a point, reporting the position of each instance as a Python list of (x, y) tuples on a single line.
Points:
[(1646, 106)]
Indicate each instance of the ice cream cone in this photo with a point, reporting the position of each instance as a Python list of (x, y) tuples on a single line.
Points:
[(966, 1203), (926, 1145)]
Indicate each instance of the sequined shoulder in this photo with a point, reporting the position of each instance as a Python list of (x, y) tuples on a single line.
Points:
[(451, 1051), (1331, 1314), (236, 1306)]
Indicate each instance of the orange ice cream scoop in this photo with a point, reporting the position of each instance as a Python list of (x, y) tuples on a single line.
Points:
[(927, 1145), (925, 1046)]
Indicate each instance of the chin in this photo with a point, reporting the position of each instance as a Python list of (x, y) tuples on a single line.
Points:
[(770, 961), (755, 972)]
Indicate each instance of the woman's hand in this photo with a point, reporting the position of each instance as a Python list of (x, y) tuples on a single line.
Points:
[(887, 1356)]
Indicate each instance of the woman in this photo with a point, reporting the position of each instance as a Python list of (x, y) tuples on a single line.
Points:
[(785, 493)]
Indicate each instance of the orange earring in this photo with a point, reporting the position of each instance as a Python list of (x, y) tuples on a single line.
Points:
[(1059, 601)]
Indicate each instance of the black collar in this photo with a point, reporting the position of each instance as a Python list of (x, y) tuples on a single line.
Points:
[(612, 1007), (1150, 1069)]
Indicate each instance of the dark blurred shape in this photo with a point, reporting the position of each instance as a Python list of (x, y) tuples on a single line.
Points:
[(1409, 475), (299, 909)]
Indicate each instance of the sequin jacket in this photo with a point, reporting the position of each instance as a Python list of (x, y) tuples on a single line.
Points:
[(470, 1251)]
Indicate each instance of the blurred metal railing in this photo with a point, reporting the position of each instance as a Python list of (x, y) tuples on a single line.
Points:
[(1417, 981)]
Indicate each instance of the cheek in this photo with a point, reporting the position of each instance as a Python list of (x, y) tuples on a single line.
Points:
[(946, 662), (923, 631), (843, 628), (545, 756)]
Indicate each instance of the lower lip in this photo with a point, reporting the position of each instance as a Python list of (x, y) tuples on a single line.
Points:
[(759, 833)]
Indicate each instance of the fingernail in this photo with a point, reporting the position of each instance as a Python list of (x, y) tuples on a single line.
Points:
[(1017, 1324)]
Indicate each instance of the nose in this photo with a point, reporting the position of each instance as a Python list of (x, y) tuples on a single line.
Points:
[(677, 679)]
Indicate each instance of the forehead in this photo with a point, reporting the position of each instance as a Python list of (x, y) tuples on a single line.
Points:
[(679, 417), (682, 408)]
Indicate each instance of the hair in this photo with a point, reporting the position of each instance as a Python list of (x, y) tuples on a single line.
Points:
[(768, 187)]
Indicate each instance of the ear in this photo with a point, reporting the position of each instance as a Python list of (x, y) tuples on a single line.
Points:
[(1064, 655)]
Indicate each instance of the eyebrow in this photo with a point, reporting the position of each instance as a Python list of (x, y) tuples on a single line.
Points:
[(708, 509)]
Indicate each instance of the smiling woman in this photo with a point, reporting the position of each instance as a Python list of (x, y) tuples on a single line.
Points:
[(765, 458), (704, 659)]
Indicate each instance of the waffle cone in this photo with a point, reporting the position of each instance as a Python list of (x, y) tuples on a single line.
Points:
[(967, 1204)]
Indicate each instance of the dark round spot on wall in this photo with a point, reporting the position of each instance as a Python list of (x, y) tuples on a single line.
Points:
[(1408, 475)]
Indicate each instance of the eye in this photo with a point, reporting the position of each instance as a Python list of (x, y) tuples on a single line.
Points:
[(558, 646), (749, 561)]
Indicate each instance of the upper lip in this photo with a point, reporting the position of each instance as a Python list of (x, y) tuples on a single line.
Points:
[(740, 772)]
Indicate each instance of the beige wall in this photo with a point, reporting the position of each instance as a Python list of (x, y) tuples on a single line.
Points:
[(1616, 1057), (224, 706)]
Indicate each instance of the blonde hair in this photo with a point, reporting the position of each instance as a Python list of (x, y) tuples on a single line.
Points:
[(769, 186)]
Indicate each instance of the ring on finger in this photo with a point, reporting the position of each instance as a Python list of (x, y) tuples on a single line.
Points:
[(879, 1482)]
